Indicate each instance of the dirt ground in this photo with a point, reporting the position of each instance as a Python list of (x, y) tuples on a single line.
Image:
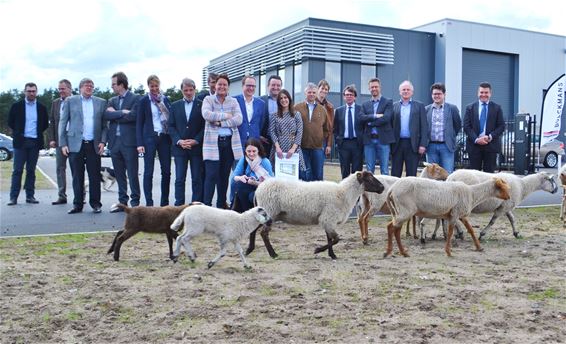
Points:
[(66, 289)]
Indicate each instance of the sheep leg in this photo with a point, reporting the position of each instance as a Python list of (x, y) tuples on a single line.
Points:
[(402, 250), (362, 224), (436, 226), (365, 223), (189, 248), (119, 241), (415, 219), (471, 231), (111, 249), (170, 236), (447, 247), (251, 245), (242, 256), (459, 231), (496, 214), (221, 254), (265, 236), (423, 234), (511, 218), (332, 240)]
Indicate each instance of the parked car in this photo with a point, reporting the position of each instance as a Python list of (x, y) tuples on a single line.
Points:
[(6, 147), (547, 154)]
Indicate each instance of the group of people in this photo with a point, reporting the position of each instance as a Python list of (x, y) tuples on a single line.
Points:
[(235, 140)]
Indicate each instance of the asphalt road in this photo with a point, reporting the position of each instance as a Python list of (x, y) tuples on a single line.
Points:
[(44, 218)]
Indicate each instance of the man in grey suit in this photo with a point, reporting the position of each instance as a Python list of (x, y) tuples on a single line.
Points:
[(122, 141), (65, 90), (444, 123), (82, 136), (377, 116), (411, 132)]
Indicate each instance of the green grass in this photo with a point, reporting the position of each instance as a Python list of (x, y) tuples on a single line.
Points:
[(550, 293), (6, 175)]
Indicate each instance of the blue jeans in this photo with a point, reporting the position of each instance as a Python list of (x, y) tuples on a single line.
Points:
[(439, 153), (27, 155), (376, 150), (162, 146), (314, 163)]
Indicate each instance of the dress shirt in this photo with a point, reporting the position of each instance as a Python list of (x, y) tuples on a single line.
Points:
[(437, 123), (405, 119), (347, 120), (272, 105), (249, 108), (311, 107), (486, 115), (30, 129), (88, 118), (188, 108), (156, 117)]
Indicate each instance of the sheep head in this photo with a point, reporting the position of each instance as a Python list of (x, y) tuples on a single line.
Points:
[(370, 183), (502, 189), (262, 217), (548, 183), (563, 178), (434, 171)]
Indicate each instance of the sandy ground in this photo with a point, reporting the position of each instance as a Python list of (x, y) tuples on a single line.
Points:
[(66, 289)]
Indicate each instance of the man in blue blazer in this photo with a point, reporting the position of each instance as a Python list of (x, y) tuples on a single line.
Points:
[(253, 111), (444, 124), (411, 132), (186, 127), (483, 123), (28, 120), (122, 140), (348, 133), (377, 117)]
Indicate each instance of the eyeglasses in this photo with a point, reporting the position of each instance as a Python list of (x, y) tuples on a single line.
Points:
[(250, 86)]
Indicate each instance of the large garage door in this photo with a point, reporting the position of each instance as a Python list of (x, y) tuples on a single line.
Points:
[(497, 69)]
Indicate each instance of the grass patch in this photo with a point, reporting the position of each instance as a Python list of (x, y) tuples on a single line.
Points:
[(550, 293), (6, 177)]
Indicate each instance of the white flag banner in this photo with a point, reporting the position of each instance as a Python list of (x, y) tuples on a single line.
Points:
[(287, 168), (552, 108)]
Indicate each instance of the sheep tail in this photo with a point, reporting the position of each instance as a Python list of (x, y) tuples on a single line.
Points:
[(178, 222)]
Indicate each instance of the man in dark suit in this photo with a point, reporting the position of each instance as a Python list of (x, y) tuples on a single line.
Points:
[(444, 123), (211, 81), (483, 124), (28, 120), (348, 133), (253, 111), (65, 90), (274, 85), (82, 137), (186, 127), (377, 117), (122, 141), (411, 132)]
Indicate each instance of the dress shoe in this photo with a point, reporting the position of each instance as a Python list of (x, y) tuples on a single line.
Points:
[(115, 209), (75, 210), (13, 201), (59, 201), (32, 200), (96, 210)]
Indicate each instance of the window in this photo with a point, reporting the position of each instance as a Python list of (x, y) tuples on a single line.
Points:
[(297, 82), (262, 89), (281, 73), (367, 72), (332, 75)]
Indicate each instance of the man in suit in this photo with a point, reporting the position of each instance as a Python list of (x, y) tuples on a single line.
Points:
[(122, 141), (274, 85), (65, 90), (411, 132), (315, 132), (82, 137), (483, 124), (186, 127), (211, 81), (444, 123), (28, 120), (377, 117), (348, 131), (253, 111)]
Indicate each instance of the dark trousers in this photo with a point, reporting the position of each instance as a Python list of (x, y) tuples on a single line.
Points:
[(197, 185), (26, 155), (482, 160), (217, 173), (88, 155), (160, 144), (245, 193), (404, 155), (61, 171), (351, 157), (125, 159)]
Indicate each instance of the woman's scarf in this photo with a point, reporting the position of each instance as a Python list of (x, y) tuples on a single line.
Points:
[(163, 112), (255, 166)]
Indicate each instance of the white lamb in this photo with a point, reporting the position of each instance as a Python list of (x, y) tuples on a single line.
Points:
[(452, 201), (520, 189), (309, 203), (228, 226)]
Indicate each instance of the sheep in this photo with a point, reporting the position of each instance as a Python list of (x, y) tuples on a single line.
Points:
[(435, 199), (149, 220), (325, 203), (228, 226), (563, 207), (520, 189), (370, 203)]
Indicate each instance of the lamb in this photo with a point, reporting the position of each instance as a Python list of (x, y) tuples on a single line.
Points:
[(149, 220), (434, 199), (563, 208), (309, 203), (370, 203), (228, 226), (520, 189)]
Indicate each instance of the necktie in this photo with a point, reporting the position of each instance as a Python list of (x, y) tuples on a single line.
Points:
[(350, 123), (121, 100), (483, 117)]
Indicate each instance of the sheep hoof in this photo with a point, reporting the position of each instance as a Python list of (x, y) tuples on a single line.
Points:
[(423, 241), (479, 249), (318, 250), (433, 237), (247, 267), (518, 236), (386, 254), (405, 254), (175, 259), (210, 264)]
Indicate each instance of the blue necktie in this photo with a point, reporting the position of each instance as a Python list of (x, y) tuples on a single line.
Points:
[(350, 123), (483, 117), (120, 101)]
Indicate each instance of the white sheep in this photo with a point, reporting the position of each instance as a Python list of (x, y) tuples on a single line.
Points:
[(520, 189), (452, 201), (228, 226), (325, 203), (370, 203)]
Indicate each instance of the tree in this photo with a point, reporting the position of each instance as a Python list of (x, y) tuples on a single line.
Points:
[(173, 93)]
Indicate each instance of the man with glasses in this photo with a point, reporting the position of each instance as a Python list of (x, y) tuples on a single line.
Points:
[(348, 133), (252, 111), (28, 120)]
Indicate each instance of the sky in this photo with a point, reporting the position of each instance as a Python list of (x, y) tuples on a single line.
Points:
[(45, 41)]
